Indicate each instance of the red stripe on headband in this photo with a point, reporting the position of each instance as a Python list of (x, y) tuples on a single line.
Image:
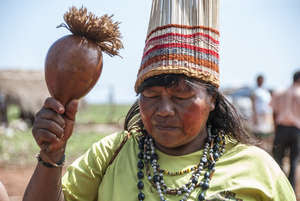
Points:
[(183, 27), (191, 47), (183, 35), (180, 57)]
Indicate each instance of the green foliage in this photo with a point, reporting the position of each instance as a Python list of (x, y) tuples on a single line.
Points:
[(103, 113), (20, 148), (13, 112)]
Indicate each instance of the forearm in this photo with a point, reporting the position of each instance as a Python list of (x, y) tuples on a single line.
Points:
[(44, 185), (53, 126)]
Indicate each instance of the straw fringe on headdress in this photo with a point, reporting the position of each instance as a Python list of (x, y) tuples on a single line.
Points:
[(183, 38)]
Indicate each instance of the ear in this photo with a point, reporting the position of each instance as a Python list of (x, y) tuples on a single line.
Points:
[(212, 104)]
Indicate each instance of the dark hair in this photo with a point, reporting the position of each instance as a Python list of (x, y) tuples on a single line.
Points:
[(296, 76), (260, 76), (224, 118)]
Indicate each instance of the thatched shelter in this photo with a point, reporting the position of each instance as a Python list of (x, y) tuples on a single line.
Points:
[(25, 88)]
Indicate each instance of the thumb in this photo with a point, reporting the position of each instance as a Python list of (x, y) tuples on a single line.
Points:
[(71, 109), (69, 116)]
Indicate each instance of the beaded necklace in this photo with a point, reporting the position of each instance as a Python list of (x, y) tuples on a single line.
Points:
[(181, 172), (214, 147)]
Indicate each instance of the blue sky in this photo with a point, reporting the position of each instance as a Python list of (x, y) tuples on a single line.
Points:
[(257, 36)]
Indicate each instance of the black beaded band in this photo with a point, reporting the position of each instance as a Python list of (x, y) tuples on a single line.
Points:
[(60, 163)]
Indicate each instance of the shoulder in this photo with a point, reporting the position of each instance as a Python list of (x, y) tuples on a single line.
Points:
[(247, 150), (252, 158), (109, 142), (279, 93), (276, 98), (250, 152), (249, 167), (91, 166), (100, 152), (108, 145)]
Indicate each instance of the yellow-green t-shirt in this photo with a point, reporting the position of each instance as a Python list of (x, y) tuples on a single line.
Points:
[(243, 173)]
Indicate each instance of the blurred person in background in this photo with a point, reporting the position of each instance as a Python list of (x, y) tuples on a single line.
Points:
[(286, 113), (262, 121)]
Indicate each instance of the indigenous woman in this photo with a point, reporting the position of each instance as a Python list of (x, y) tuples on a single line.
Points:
[(182, 139)]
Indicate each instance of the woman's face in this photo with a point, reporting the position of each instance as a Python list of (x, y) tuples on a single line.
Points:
[(176, 116)]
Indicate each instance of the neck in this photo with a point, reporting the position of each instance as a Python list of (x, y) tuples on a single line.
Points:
[(192, 146)]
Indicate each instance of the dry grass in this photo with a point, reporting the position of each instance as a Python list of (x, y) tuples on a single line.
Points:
[(102, 30)]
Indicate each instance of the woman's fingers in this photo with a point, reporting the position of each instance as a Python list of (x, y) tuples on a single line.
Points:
[(71, 109), (54, 124), (44, 137), (51, 126), (55, 105), (48, 114)]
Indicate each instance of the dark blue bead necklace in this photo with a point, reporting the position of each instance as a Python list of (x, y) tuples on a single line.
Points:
[(214, 147)]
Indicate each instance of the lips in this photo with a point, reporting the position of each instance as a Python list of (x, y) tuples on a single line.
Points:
[(165, 127)]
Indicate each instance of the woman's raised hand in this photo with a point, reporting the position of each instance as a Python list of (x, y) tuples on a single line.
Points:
[(53, 126)]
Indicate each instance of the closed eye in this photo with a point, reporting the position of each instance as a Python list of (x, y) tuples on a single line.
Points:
[(182, 97), (150, 95)]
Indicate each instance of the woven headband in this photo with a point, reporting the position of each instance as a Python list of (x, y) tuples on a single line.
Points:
[(183, 38)]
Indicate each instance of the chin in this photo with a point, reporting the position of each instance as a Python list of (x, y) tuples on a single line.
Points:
[(171, 138), (168, 143)]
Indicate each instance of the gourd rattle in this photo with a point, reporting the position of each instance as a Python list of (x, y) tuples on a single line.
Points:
[(74, 62)]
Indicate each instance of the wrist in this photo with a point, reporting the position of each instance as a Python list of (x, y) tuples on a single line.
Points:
[(54, 156), (45, 160)]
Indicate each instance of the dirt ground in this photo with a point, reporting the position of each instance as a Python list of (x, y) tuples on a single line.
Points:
[(15, 179)]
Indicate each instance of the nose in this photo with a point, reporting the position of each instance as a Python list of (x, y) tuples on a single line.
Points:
[(165, 107)]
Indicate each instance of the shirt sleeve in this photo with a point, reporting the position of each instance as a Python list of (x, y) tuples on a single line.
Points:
[(256, 176), (284, 190), (270, 180), (82, 179)]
